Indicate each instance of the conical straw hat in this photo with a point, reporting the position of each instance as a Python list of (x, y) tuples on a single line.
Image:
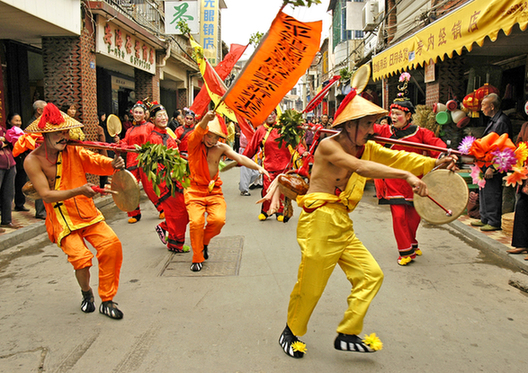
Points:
[(52, 120), (215, 127), (358, 108)]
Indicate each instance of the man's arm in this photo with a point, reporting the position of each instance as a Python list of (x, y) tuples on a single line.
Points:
[(335, 154), (40, 183), (242, 159)]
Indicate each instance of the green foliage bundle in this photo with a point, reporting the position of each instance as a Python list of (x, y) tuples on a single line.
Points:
[(184, 27), (256, 38), (289, 127), (162, 164)]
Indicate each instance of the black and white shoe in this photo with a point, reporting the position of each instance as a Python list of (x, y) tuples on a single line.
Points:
[(205, 252), (196, 267), (347, 342), (110, 309), (161, 234), (87, 304), (291, 345)]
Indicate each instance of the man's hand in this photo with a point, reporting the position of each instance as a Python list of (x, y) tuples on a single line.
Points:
[(262, 171), (118, 162), (86, 190), (489, 173), (417, 185), (209, 116), (448, 162)]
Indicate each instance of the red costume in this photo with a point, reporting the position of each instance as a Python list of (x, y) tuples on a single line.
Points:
[(71, 221), (204, 195), (136, 135), (182, 133), (275, 160), (397, 192), (176, 217)]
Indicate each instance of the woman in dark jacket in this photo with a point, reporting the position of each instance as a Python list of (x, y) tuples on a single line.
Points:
[(7, 179)]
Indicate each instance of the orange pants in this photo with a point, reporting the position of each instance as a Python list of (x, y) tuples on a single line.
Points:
[(199, 202), (109, 255)]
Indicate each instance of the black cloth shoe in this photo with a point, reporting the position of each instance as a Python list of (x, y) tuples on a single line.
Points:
[(205, 252), (110, 309), (291, 345), (347, 342), (21, 208), (87, 304), (196, 267)]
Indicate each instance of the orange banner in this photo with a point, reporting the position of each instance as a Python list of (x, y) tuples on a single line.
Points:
[(282, 57)]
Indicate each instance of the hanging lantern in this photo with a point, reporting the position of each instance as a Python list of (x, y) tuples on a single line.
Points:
[(485, 90), (472, 103)]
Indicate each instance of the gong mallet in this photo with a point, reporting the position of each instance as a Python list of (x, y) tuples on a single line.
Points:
[(448, 212)]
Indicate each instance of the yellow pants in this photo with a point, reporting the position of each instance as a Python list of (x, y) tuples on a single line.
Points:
[(326, 237), (109, 255), (200, 201)]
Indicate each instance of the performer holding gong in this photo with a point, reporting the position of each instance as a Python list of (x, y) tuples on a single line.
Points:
[(58, 173), (325, 233), (396, 192)]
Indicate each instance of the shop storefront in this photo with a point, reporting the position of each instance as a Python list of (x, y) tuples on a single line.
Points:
[(481, 42)]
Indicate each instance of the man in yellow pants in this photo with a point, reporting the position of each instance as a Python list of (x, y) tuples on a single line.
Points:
[(342, 164), (204, 195)]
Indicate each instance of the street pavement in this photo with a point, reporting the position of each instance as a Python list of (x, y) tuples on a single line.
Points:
[(451, 309)]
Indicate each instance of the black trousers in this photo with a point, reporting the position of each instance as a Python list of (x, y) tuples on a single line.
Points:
[(520, 222), (490, 199), (20, 180)]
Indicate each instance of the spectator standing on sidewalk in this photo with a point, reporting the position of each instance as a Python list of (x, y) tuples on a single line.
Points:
[(490, 197), (14, 121), (520, 220), (7, 180)]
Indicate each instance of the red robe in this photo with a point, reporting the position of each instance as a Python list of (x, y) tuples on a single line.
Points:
[(397, 192), (136, 135), (182, 133), (176, 217)]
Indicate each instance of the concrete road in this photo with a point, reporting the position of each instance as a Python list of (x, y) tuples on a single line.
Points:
[(452, 310)]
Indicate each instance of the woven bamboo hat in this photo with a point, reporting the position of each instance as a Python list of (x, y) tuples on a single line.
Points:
[(215, 127), (354, 106), (52, 120)]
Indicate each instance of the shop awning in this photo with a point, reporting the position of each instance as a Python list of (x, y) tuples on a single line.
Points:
[(469, 24)]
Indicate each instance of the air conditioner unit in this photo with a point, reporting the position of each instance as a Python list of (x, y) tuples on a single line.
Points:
[(370, 12)]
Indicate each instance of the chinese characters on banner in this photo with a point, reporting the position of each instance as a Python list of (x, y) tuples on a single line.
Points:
[(121, 45), (176, 11), (469, 24), (282, 57), (209, 30)]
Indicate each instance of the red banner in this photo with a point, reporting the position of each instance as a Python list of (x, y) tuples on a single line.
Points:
[(223, 69), (282, 57), (314, 102)]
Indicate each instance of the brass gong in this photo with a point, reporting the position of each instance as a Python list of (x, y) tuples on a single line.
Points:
[(127, 198), (447, 188)]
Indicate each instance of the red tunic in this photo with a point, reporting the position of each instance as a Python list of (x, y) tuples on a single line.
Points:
[(182, 133), (274, 159), (136, 135), (397, 190), (176, 217)]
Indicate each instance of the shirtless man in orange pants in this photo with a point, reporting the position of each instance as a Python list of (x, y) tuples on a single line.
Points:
[(204, 195), (58, 173)]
